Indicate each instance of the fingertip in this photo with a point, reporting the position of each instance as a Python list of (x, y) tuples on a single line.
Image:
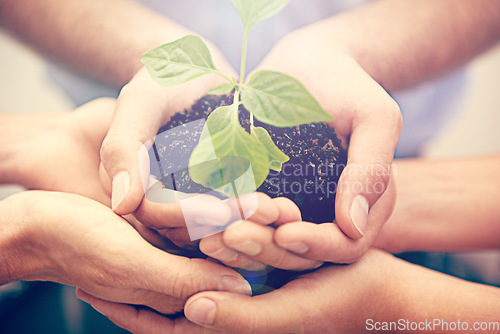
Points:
[(201, 311), (288, 211), (126, 196)]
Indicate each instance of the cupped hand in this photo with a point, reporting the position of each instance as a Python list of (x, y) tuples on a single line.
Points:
[(74, 240), (367, 120), (142, 108), (334, 299)]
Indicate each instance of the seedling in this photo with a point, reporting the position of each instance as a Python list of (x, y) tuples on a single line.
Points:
[(271, 97)]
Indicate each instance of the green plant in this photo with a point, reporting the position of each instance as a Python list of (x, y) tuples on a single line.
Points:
[(226, 149)]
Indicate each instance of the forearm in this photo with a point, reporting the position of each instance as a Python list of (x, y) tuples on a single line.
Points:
[(400, 43), (102, 39), (418, 295), (448, 205)]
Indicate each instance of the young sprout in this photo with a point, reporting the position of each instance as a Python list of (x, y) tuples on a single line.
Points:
[(271, 97)]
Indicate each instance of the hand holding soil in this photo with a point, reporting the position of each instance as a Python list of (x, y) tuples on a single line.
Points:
[(368, 122)]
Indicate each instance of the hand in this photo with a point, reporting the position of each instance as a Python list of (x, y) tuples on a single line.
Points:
[(142, 108), (363, 296), (368, 120), (73, 240), (59, 151), (318, 302), (250, 243)]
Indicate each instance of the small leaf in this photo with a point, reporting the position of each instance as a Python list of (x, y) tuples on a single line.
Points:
[(222, 89), (235, 151), (179, 61), (219, 119), (253, 11), (276, 157), (280, 100)]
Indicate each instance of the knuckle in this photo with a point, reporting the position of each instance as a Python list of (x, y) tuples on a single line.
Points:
[(110, 146), (381, 172)]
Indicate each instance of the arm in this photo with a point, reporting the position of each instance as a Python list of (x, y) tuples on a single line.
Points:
[(400, 43), (101, 39), (444, 205)]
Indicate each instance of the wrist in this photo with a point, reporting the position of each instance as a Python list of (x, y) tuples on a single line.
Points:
[(9, 168), (19, 247)]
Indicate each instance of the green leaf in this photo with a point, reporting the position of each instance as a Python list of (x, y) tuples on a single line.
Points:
[(276, 157), (280, 100), (253, 11), (179, 61), (222, 158), (222, 89)]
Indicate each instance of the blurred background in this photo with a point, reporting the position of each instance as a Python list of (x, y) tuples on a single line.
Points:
[(25, 87)]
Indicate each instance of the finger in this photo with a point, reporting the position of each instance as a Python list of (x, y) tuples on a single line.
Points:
[(367, 174), (139, 320), (150, 235), (257, 243), (269, 313), (288, 211), (257, 207), (214, 247), (182, 277), (180, 237), (165, 208), (136, 120), (327, 242), (105, 180), (324, 242)]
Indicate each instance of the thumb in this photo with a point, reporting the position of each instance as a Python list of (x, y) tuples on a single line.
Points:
[(368, 170), (124, 152), (126, 165), (234, 313)]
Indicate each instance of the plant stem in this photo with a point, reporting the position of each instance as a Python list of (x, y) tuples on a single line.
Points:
[(243, 57), (236, 104), (243, 69)]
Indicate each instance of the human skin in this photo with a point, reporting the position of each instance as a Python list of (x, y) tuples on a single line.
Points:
[(345, 61), (443, 205), (339, 57), (126, 29), (334, 299), (71, 239)]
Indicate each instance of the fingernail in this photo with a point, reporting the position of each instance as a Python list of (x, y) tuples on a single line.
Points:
[(249, 248), (121, 186), (298, 247), (359, 213), (202, 311), (236, 285)]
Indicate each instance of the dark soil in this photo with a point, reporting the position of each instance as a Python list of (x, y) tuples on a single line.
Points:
[(309, 178)]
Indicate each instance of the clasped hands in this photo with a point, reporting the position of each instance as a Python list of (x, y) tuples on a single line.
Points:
[(121, 268)]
